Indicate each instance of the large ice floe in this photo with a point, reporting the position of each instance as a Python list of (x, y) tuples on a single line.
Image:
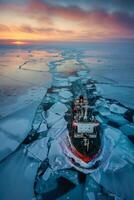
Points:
[(14, 129), (17, 176), (55, 113)]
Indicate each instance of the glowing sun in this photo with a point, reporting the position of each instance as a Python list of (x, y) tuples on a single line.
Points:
[(19, 42)]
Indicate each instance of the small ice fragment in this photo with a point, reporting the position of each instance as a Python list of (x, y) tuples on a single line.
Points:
[(47, 174), (65, 94), (36, 125), (42, 127), (102, 103), (82, 73), (73, 78), (60, 82), (101, 119), (104, 111), (70, 175), (91, 196)]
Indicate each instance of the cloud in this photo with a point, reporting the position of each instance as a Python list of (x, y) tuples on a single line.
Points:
[(116, 5), (97, 20), (35, 30), (102, 17), (4, 28)]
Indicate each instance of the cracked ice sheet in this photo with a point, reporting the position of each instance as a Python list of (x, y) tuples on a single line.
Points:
[(19, 88), (117, 173), (124, 95), (15, 128), (17, 176), (39, 149), (20, 101)]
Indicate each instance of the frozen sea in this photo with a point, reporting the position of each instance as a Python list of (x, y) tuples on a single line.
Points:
[(24, 71), (25, 75)]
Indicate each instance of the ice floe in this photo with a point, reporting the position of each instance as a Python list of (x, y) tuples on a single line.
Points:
[(73, 78), (61, 82), (102, 103), (65, 94), (70, 175), (52, 118), (14, 130), (58, 108), (128, 129), (119, 119), (99, 89), (104, 111), (42, 127), (57, 128), (101, 119), (112, 134), (47, 174), (38, 149), (82, 73), (55, 113), (117, 109), (57, 159)]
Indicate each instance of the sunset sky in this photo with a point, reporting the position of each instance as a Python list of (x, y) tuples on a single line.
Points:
[(25, 21)]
